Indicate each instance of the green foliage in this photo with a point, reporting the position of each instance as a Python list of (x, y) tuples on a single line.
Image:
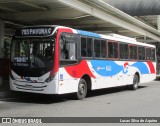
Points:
[(6, 51)]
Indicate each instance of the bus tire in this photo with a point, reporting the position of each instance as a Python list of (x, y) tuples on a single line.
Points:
[(134, 86), (82, 89)]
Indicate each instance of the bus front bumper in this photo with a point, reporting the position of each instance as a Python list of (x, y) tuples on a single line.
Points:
[(42, 88)]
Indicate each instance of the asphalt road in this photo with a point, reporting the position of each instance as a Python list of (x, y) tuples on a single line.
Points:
[(114, 102)]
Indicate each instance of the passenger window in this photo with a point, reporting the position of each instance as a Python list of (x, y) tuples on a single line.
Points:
[(153, 54), (86, 47), (148, 54), (83, 47), (123, 51), (112, 50), (97, 48), (141, 53), (89, 47), (133, 52), (103, 49)]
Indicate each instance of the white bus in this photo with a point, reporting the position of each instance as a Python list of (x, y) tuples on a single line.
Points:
[(59, 60)]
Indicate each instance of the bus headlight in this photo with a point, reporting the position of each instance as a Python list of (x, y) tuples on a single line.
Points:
[(50, 78)]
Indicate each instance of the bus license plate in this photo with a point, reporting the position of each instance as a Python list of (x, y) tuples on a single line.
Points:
[(28, 86)]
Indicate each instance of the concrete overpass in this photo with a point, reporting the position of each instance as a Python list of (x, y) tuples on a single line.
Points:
[(91, 15)]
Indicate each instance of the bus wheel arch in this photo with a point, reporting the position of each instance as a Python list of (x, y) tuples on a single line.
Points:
[(136, 80), (83, 86), (88, 81), (138, 76)]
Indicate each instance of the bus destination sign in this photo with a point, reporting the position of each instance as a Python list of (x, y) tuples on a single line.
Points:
[(43, 31)]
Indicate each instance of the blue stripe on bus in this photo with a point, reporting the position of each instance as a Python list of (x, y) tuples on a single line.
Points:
[(88, 33), (107, 68), (142, 67), (111, 68)]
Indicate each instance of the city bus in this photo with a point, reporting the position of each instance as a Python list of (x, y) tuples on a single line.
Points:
[(59, 60)]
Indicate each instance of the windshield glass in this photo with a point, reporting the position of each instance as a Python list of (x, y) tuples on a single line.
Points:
[(37, 52), (33, 53)]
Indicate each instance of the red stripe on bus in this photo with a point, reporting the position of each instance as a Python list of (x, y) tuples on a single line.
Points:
[(151, 67), (56, 57), (79, 70)]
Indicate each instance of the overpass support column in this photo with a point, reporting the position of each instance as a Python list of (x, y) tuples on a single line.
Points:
[(158, 22), (2, 30)]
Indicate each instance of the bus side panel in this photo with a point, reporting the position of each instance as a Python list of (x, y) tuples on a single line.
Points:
[(119, 73), (105, 74), (149, 77), (110, 80), (67, 84), (108, 74), (124, 77)]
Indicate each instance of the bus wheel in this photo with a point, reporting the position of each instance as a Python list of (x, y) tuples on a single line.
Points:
[(82, 89), (135, 82)]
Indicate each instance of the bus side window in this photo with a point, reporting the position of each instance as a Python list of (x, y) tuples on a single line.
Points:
[(68, 52), (86, 47), (123, 51), (141, 53), (83, 52), (71, 47), (103, 49), (148, 53), (113, 50), (62, 48), (97, 48), (83, 47), (133, 52), (110, 50), (153, 54), (89, 47)]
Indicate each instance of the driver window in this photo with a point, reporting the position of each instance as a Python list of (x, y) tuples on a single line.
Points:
[(68, 44)]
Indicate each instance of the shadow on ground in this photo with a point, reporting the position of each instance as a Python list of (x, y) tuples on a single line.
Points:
[(111, 91), (23, 97)]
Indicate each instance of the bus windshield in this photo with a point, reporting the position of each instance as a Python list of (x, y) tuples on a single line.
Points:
[(36, 53)]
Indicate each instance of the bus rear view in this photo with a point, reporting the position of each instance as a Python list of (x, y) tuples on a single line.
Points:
[(32, 60)]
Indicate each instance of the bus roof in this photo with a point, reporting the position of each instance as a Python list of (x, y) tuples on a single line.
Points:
[(113, 37)]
